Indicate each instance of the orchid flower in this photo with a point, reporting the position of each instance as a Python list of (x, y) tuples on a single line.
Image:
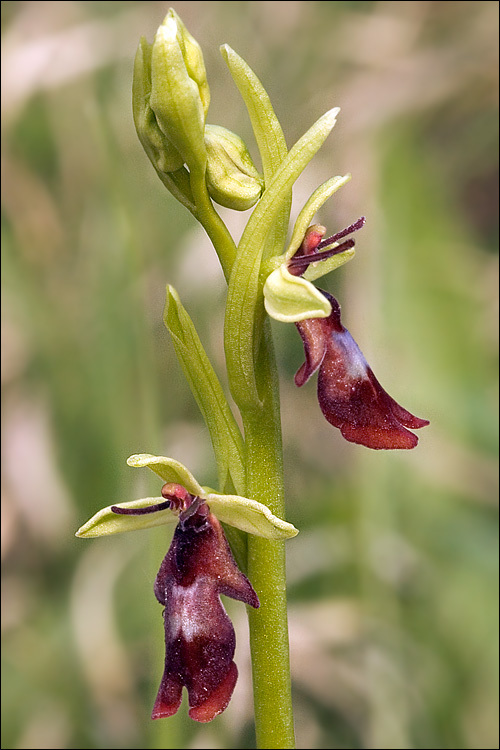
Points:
[(349, 394), (199, 566)]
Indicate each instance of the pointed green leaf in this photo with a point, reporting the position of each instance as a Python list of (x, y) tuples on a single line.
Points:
[(105, 522), (268, 134), (207, 390), (289, 298), (250, 516), (245, 287), (267, 130)]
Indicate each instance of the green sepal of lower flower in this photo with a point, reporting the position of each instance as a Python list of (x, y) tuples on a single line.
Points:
[(241, 512), (289, 298), (105, 522)]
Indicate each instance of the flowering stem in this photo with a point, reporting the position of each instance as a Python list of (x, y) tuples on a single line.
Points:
[(212, 223), (265, 559), (266, 564)]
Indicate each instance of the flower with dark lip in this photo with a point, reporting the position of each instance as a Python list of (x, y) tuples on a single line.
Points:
[(199, 566), (199, 636), (349, 394)]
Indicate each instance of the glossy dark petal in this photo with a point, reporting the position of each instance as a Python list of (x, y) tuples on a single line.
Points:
[(349, 394), (199, 636)]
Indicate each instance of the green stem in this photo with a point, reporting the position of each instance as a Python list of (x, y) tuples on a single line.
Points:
[(212, 223), (264, 482), (266, 564)]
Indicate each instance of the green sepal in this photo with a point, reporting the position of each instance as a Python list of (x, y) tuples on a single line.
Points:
[(232, 179), (193, 59), (241, 512), (167, 469), (304, 219), (245, 288), (250, 516), (209, 394), (289, 298), (160, 150), (163, 155), (105, 522), (322, 267)]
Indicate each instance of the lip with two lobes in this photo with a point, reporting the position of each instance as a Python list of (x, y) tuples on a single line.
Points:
[(349, 394), (199, 636)]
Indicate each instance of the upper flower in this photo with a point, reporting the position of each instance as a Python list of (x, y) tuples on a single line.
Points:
[(349, 394)]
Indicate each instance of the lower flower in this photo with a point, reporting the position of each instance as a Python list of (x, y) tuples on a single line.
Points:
[(198, 568), (199, 636)]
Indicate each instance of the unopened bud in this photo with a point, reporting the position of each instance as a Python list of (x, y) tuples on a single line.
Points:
[(232, 179), (179, 90), (162, 153)]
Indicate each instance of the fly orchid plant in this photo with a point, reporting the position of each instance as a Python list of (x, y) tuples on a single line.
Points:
[(202, 164)]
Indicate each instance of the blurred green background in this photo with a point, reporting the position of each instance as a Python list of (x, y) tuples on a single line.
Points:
[(393, 578)]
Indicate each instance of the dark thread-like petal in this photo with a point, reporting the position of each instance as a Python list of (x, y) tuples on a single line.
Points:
[(343, 233), (314, 248), (349, 394)]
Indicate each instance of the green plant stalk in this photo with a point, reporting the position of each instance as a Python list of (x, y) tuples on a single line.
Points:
[(212, 223), (265, 559), (266, 564)]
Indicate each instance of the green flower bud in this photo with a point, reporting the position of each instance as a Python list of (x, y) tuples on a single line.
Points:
[(179, 90), (162, 153), (232, 179)]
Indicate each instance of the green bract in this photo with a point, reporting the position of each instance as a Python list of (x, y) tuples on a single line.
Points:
[(209, 394), (240, 512)]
